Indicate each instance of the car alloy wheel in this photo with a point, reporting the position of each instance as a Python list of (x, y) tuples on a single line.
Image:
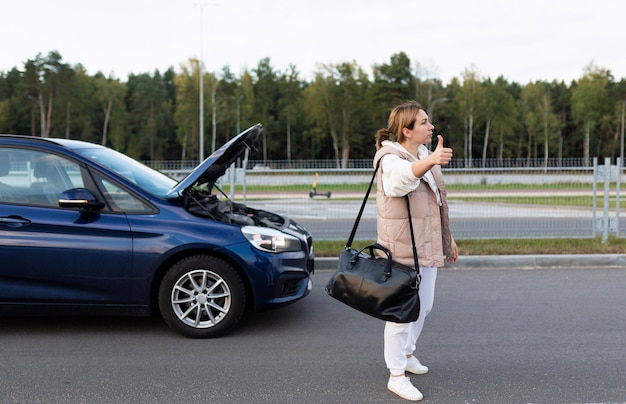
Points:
[(202, 297)]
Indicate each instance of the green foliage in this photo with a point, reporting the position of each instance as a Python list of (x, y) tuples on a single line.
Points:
[(505, 246), (155, 116)]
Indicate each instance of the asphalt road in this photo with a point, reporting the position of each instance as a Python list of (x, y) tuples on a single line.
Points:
[(462, 228), (495, 336), (333, 219)]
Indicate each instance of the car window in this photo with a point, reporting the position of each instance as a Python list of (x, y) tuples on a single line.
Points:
[(36, 178), (119, 199), (148, 179)]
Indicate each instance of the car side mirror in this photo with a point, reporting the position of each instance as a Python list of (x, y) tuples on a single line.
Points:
[(79, 198)]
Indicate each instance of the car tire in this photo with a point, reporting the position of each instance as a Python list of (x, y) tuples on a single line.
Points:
[(202, 296)]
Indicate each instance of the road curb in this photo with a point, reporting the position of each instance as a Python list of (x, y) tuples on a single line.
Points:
[(516, 261)]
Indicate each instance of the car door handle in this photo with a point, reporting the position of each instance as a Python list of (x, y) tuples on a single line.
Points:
[(14, 221)]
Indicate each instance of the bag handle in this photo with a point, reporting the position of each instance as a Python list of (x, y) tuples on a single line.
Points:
[(358, 219), (371, 248)]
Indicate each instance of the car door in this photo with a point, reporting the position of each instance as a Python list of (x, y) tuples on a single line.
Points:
[(49, 254)]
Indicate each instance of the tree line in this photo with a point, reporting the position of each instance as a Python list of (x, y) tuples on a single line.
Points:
[(334, 115)]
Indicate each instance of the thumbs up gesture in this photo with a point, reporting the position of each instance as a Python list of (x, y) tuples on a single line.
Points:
[(441, 155)]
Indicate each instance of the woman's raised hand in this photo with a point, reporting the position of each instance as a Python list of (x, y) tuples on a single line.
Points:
[(441, 155)]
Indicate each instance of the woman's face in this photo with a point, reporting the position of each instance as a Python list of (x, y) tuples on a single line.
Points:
[(422, 132)]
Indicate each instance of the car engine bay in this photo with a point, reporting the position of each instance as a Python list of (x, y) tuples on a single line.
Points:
[(205, 204)]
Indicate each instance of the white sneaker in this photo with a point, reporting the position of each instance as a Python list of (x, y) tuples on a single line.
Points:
[(414, 366), (401, 385)]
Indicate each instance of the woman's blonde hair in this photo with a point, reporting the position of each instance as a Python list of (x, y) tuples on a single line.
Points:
[(402, 116)]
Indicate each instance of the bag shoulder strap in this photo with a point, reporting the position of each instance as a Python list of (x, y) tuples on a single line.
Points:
[(408, 208), (358, 218)]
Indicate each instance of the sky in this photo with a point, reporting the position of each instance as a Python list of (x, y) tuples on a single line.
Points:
[(523, 41)]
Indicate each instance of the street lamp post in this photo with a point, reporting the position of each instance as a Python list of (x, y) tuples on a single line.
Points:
[(201, 70), (239, 114), (621, 152), (201, 73), (620, 168)]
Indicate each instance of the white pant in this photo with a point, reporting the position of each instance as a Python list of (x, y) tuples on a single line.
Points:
[(400, 338)]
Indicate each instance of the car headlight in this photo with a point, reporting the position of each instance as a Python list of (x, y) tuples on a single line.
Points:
[(270, 240)]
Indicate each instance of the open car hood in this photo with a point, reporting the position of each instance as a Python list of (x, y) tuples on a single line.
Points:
[(214, 166)]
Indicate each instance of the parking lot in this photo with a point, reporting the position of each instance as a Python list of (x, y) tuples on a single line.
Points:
[(495, 336)]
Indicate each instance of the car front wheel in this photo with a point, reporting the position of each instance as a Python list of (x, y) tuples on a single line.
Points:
[(202, 297)]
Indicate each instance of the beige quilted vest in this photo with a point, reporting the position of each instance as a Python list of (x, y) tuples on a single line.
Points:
[(431, 224)]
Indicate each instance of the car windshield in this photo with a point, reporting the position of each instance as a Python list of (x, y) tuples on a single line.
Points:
[(143, 176)]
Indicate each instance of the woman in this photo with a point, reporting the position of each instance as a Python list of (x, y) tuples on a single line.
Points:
[(407, 167)]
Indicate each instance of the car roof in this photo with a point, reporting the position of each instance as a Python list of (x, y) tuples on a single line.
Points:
[(67, 143)]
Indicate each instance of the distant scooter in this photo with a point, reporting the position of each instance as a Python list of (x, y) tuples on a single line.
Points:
[(314, 190)]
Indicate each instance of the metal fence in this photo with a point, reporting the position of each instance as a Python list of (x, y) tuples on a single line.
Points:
[(175, 165), (516, 198)]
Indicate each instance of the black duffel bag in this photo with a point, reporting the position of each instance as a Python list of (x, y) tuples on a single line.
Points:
[(376, 286)]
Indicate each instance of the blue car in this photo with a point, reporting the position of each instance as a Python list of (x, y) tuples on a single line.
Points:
[(86, 230)]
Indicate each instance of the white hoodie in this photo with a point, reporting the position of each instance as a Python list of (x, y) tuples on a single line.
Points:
[(398, 178)]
